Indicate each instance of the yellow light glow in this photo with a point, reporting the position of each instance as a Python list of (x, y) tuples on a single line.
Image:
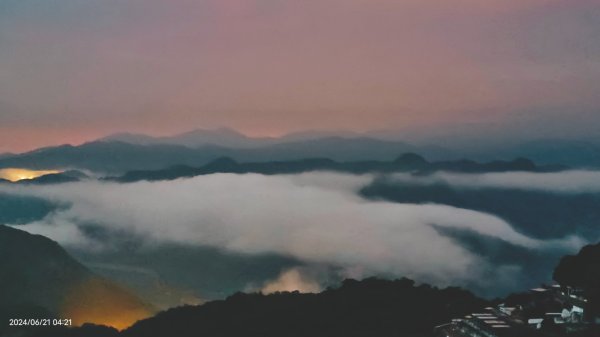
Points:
[(100, 302), (16, 174)]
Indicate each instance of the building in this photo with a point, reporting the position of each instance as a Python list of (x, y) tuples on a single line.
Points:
[(544, 311)]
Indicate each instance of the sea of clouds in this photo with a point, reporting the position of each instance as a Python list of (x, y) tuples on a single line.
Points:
[(317, 218), (564, 182), (314, 217)]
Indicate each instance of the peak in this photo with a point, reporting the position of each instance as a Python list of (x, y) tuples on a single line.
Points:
[(51, 148), (411, 159), (221, 131), (124, 134), (317, 134), (127, 137), (524, 162), (13, 239), (227, 130), (119, 134)]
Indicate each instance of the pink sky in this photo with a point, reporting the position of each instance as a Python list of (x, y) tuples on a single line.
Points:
[(72, 71)]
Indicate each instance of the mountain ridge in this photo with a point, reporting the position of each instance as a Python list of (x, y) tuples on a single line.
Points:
[(371, 307), (39, 278), (408, 162), (111, 157)]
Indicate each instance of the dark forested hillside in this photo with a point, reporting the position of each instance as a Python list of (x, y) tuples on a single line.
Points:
[(582, 271), (38, 279), (367, 308)]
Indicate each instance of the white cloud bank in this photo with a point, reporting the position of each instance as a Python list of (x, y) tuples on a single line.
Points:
[(316, 217), (294, 279), (567, 182)]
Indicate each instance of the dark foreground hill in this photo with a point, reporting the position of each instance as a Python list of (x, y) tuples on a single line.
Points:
[(371, 307), (582, 271), (367, 308), (38, 279)]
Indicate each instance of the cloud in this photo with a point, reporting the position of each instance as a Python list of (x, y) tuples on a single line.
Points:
[(317, 218), (568, 182), (294, 279)]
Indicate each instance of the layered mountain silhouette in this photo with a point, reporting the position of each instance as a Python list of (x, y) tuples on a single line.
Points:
[(227, 137), (38, 279), (126, 152), (577, 153), (197, 138), (572, 152), (409, 162), (119, 157), (109, 157)]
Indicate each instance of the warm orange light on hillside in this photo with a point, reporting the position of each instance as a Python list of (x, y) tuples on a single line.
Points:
[(100, 302), (16, 174)]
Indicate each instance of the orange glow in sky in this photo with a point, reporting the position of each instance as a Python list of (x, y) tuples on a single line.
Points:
[(16, 174)]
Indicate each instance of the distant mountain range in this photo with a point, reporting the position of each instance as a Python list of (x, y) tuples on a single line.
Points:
[(541, 214), (108, 157), (125, 152), (572, 152), (119, 157), (197, 138), (576, 153), (230, 138), (409, 162)]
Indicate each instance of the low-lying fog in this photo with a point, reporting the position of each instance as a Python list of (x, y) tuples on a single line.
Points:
[(320, 220)]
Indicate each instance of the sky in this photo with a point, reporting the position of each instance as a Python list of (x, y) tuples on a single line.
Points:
[(75, 70)]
